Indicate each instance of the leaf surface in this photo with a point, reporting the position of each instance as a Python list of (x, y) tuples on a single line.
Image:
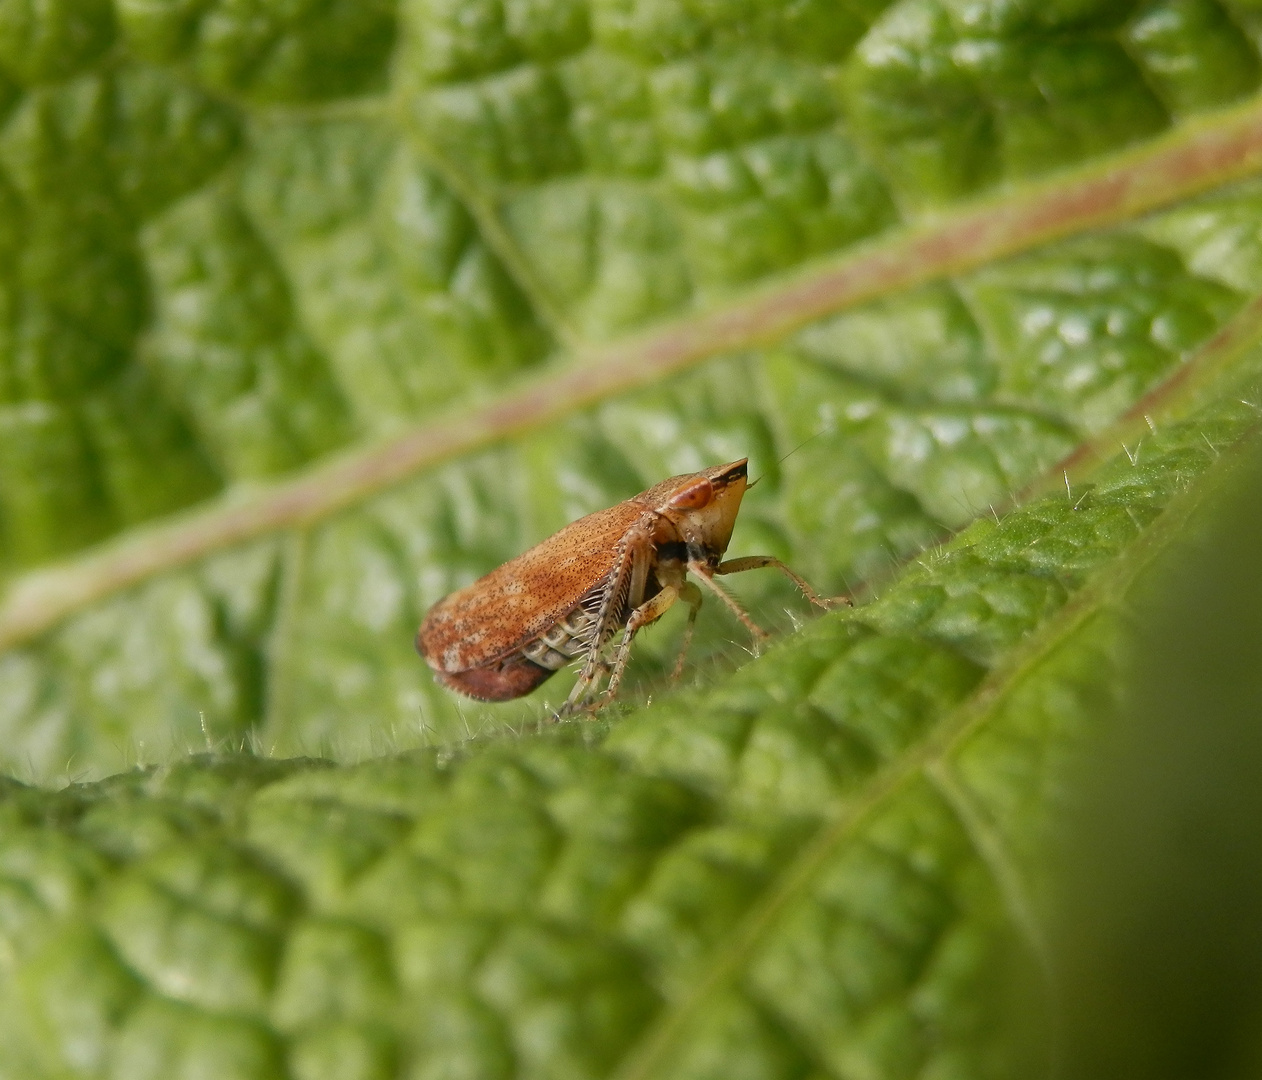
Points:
[(312, 313), (813, 866)]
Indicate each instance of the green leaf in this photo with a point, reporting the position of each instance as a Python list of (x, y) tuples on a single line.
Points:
[(1155, 933), (310, 313), (818, 862)]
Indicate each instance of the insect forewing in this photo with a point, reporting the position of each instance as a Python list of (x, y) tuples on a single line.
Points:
[(522, 599)]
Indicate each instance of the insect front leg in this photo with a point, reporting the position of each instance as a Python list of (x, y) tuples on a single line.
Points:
[(757, 562), (705, 575), (641, 616)]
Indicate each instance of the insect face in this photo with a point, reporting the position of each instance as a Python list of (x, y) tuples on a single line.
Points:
[(703, 511), (565, 599)]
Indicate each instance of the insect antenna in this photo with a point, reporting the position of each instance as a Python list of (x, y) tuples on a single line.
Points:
[(782, 460), (808, 439)]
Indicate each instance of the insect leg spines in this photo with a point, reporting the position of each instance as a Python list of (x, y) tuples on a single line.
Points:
[(617, 597), (602, 605)]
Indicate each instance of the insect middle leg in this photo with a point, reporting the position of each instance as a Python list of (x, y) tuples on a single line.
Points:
[(642, 616), (691, 596)]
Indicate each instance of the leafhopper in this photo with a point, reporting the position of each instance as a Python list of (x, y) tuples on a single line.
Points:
[(564, 600)]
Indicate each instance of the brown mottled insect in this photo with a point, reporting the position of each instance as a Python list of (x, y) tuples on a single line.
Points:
[(564, 599)]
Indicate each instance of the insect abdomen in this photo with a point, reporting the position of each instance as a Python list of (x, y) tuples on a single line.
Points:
[(525, 668), (503, 681), (569, 639)]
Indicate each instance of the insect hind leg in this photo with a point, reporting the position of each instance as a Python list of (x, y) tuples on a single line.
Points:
[(585, 687), (625, 586)]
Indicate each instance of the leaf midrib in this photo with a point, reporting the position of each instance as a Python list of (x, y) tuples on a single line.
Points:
[(1193, 157)]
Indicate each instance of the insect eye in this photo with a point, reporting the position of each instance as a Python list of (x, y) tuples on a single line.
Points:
[(694, 496)]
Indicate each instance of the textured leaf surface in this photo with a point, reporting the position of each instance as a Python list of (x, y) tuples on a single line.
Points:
[(812, 868), (312, 312), (912, 415)]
